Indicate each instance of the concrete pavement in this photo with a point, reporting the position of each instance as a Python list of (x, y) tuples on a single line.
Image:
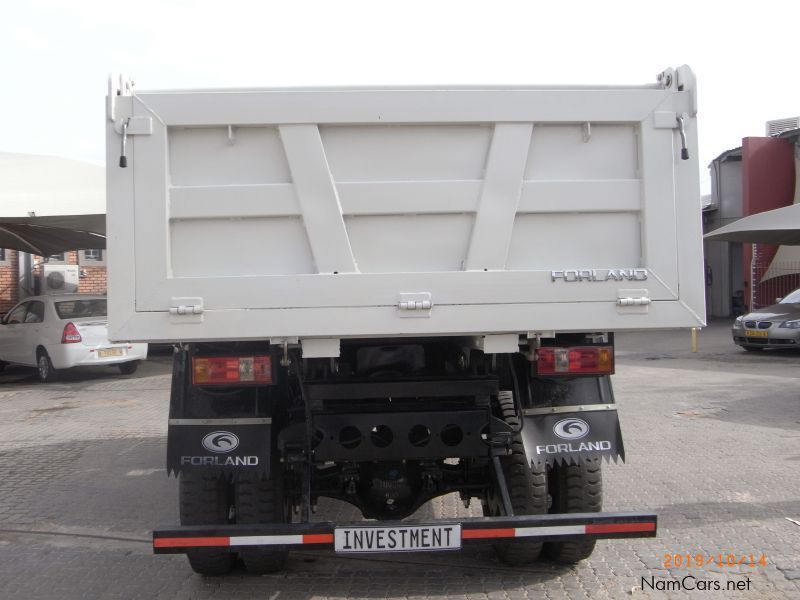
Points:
[(712, 441)]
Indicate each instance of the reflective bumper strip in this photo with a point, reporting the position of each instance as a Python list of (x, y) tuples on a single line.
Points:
[(466, 534), (282, 540), (318, 538), (191, 542), (483, 534), (553, 530), (244, 540), (473, 534), (266, 540), (601, 528), (598, 529)]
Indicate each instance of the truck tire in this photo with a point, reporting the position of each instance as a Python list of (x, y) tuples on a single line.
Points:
[(260, 500), (206, 500), (527, 487), (574, 489)]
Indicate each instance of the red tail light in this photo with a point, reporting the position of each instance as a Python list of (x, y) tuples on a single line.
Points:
[(71, 334), (231, 370), (579, 360)]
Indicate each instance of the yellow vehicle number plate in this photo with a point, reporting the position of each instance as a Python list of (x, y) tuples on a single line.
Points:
[(756, 333), (105, 353)]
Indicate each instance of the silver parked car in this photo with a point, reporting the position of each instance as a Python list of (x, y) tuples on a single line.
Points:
[(776, 326)]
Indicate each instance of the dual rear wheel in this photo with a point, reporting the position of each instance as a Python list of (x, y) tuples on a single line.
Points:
[(558, 489), (214, 500), (536, 490)]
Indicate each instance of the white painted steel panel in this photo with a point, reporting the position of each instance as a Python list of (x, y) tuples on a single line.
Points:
[(307, 213), (559, 152), (235, 247)]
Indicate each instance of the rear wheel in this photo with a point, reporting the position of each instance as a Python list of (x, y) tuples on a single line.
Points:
[(574, 489), (206, 500), (44, 367), (527, 488), (260, 500), (128, 368)]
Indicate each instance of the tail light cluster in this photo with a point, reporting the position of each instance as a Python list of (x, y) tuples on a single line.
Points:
[(71, 335), (576, 360), (231, 370)]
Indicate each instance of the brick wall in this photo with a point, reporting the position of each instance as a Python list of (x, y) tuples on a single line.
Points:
[(92, 280), (9, 274)]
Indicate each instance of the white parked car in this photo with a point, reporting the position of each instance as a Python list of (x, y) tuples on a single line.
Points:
[(60, 332)]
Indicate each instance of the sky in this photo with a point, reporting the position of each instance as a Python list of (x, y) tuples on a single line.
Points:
[(55, 55)]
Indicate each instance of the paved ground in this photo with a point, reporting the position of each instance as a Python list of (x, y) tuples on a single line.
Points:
[(713, 445)]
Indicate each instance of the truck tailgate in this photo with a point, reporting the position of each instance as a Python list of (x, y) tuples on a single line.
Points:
[(410, 211)]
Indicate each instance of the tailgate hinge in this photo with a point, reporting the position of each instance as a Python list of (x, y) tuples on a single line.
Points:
[(417, 304), (633, 302), (186, 310)]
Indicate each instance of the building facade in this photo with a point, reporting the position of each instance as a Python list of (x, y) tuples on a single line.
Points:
[(759, 176), (13, 287)]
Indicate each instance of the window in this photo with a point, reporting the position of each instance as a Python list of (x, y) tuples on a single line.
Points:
[(17, 315), (5, 257), (792, 298), (92, 257), (35, 312), (57, 259), (76, 309)]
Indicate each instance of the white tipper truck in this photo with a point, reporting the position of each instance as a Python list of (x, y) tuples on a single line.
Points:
[(385, 295)]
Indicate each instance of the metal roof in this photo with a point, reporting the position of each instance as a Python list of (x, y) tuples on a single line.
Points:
[(779, 226)]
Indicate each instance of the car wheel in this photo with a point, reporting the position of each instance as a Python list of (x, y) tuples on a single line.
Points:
[(2, 365), (128, 368), (44, 367), (752, 348)]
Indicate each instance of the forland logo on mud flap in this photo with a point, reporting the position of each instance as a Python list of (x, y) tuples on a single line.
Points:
[(221, 441), (571, 429)]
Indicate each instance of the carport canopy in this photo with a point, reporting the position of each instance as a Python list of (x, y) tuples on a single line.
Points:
[(44, 240), (50, 204), (779, 226)]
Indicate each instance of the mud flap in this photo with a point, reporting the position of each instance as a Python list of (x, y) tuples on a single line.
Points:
[(227, 446), (571, 433)]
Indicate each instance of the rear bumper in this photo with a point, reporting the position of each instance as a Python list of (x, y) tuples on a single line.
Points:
[(66, 356), (473, 530)]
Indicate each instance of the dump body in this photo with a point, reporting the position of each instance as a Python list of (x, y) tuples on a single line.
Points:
[(387, 212)]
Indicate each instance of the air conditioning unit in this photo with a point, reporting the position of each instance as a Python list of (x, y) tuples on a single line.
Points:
[(60, 279), (778, 126)]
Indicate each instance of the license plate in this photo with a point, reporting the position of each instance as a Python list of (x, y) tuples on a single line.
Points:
[(105, 353), (755, 333), (398, 539)]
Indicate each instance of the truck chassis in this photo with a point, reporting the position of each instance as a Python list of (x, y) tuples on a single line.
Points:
[(386, 427)]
